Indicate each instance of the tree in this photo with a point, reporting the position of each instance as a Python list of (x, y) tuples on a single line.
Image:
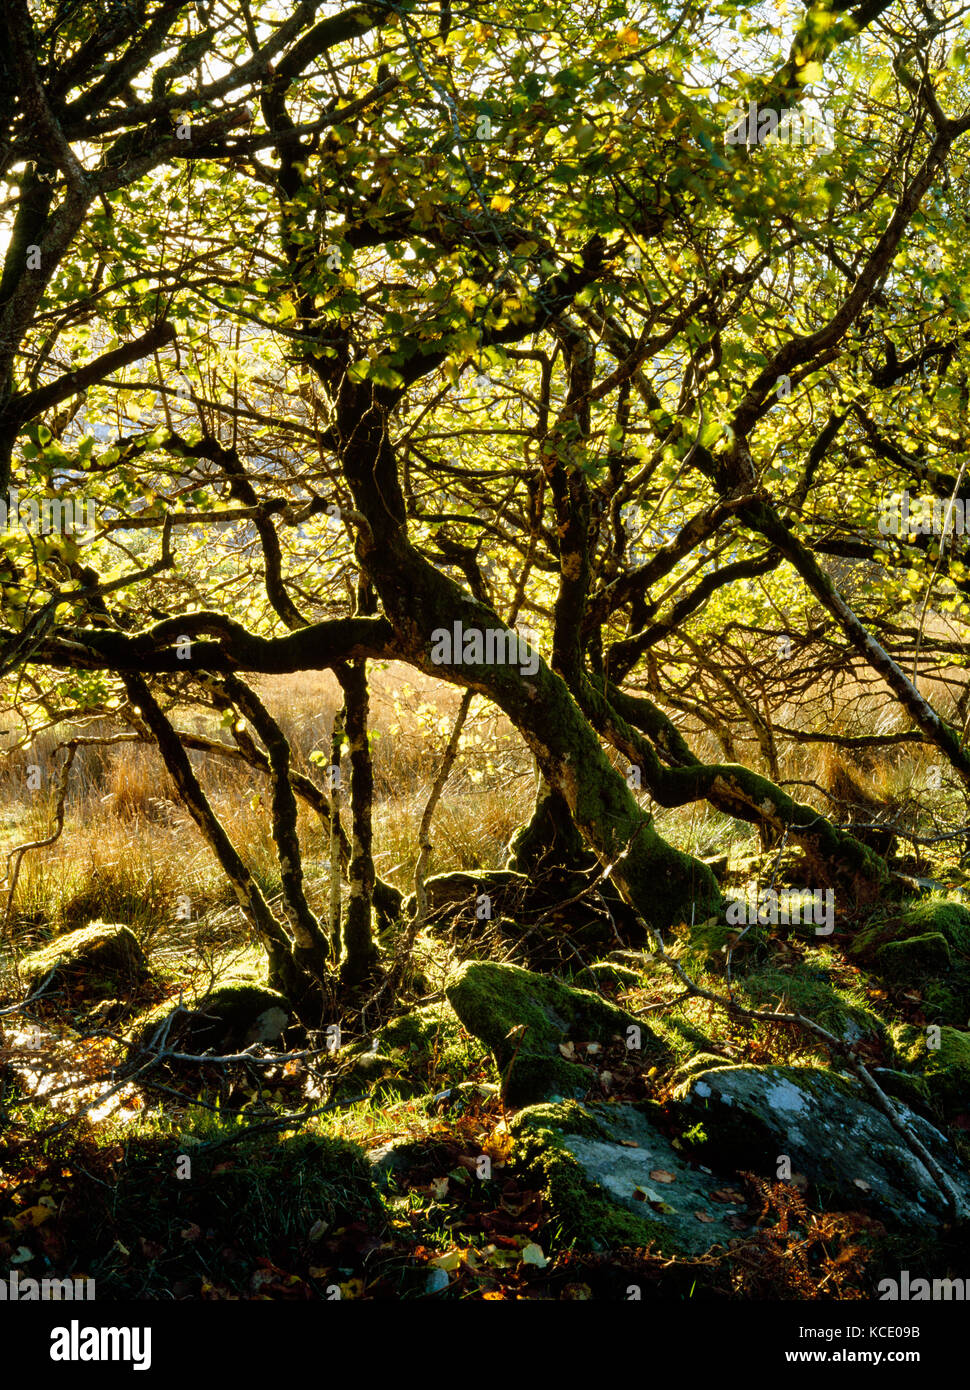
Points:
[(493, 318)]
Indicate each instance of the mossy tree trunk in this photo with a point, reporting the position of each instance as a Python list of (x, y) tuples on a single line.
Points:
[(663, 884)]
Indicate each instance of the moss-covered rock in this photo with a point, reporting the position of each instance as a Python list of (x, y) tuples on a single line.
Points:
[(927, 917), (823, 1124), (609, 1178), (843, 1010), (231, 1016), (941, 1059), (951, 920), (526, 1018), (914, 959), (265, 1200), (99, 961), (912, 1090), (711, 938), (607, 974), (424, 1050), (927, 947), (703, 1061)]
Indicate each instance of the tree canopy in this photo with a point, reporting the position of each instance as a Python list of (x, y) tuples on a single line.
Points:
[(340, 328)]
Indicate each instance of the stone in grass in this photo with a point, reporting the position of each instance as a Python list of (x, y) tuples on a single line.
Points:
[(526, 1020), (391, 1163), (99, 961), (916, 958), (940, 1057), (233, 1016), (267, 1195), (610, 974), (848, 1152), (919, 943), (925, 947), (610, 1178), (427, 1048)]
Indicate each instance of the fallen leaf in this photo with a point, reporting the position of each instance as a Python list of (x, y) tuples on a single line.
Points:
[(532, 1255), (33, 1216), (568, 1050), (449, 1261), (661, 1175), (703, 1216)]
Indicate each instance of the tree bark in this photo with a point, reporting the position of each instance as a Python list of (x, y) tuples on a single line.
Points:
[(360, 953)]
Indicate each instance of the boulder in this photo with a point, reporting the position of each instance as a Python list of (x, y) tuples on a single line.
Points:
[(926, 947), (267, 1198), (608, 974), (99, 961), (847, 1151), (610, 1178), (843, 1010), (940, 1061), (527, 1020), (231, 1017), (416, 1052), (391, 1163), (906, 962)]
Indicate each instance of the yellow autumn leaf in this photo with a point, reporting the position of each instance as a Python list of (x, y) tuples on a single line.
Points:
[(33, 1216), (450, 1261), (501, 202)]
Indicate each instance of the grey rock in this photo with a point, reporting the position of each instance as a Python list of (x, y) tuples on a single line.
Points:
[(611, 1178), (847, 1150)]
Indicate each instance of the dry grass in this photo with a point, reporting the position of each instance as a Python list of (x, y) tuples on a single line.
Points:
[(129, 852)]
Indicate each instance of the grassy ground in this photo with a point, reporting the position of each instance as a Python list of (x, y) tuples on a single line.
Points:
[(270, 1213)]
